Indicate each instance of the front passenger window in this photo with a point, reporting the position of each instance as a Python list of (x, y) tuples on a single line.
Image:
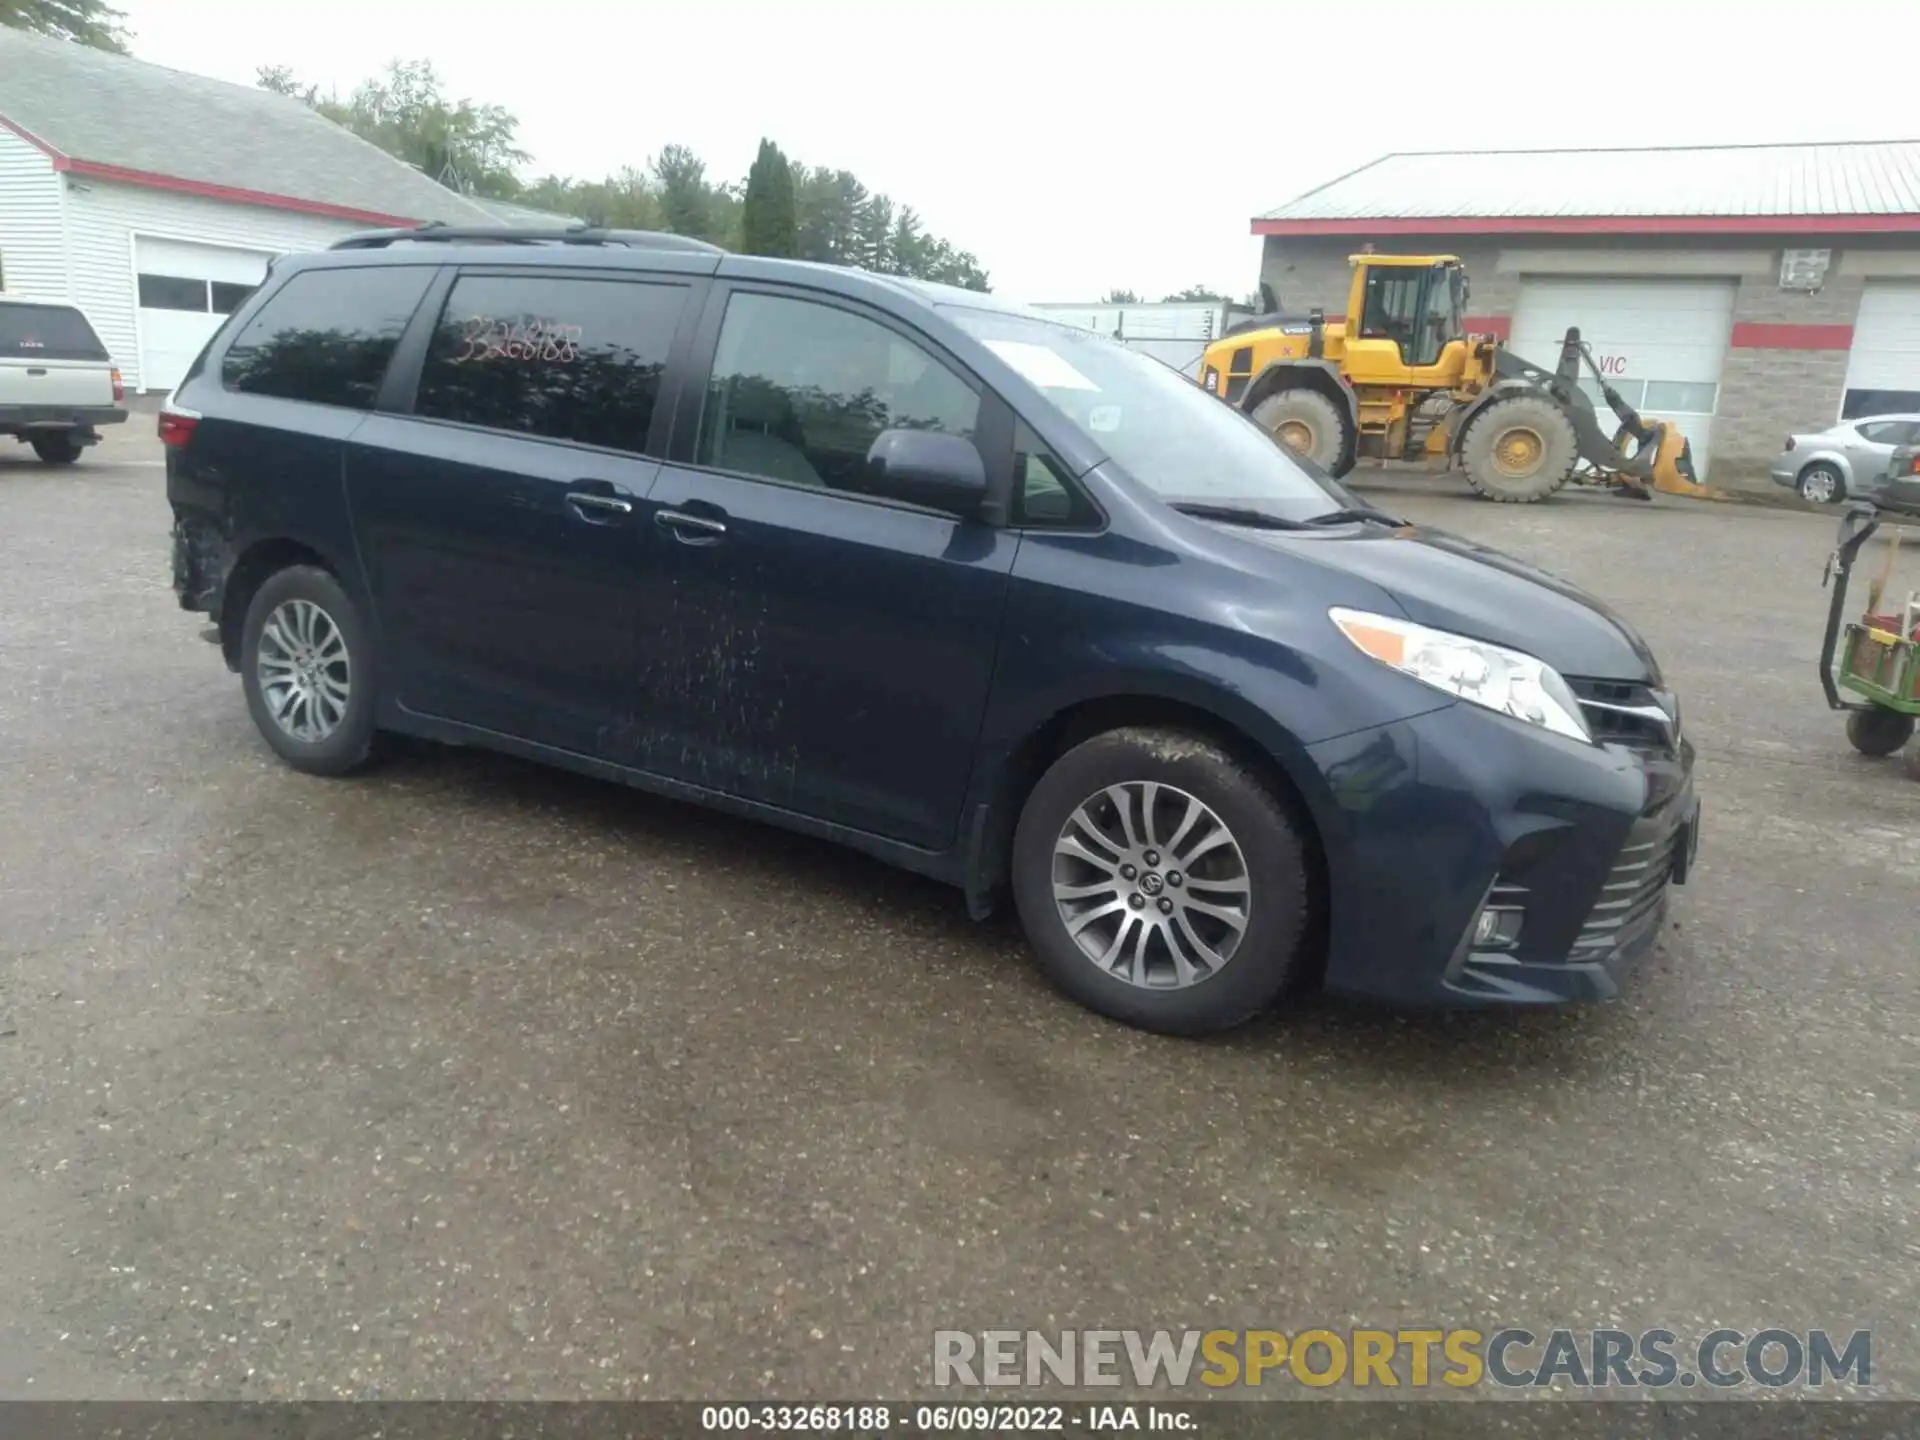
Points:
[(800, 390)]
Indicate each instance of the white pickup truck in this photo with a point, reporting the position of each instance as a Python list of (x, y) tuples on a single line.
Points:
[(58, 385)]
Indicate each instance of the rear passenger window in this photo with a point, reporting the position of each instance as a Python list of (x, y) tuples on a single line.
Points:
[(563, 357), (326, 336), (800, 391), (47, 332)]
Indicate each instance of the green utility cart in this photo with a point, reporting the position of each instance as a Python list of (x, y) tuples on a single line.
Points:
[(1878, 653)]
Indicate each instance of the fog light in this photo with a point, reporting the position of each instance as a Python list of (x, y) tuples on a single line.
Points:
[(1496, 929)]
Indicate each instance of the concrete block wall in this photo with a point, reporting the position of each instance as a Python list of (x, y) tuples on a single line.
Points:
[(1768, 389)]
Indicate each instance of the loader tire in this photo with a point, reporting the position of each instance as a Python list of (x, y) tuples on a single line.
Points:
[(1520, 450), (1308, 423)]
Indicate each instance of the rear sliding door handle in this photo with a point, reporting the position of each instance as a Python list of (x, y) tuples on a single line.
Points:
[(681, 520)]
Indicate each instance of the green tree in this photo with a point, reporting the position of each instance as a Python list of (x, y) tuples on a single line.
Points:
[(465, 145), (1196, 294), (1121, 297), (831, 204), (680, 177), (874, 236), (85, 22), (768, 223)]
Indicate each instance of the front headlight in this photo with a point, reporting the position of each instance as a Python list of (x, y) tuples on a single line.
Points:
[(1489, 675)]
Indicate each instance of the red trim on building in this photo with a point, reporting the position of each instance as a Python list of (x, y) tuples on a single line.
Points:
[(1751, 335), (119, 174), (1600, 225), (1498, 326), (32, 139)]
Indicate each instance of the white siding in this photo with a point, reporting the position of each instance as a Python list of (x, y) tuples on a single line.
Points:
[(32, 259), (102, 220)]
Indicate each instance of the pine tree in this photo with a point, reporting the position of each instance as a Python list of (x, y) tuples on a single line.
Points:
[(768, 225)]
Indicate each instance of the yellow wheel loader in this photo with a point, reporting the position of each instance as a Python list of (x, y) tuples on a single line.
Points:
[(1398, 378)]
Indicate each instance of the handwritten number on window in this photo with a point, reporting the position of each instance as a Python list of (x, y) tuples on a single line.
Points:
[(544, 341)]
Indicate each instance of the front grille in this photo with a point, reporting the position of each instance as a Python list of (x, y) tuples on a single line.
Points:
[(1620, 712), (1630, 899)]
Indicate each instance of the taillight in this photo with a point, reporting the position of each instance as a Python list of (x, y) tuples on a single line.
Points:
[(177, 425), (119, 387), (1789, 442)]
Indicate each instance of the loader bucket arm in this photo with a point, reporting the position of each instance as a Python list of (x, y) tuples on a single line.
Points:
[(1661, 457)]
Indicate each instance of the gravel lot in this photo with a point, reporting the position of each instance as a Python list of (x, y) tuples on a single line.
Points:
[(469, 1079)]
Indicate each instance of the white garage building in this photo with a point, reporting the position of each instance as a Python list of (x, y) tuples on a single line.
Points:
[(1742, 292), (153, 199)]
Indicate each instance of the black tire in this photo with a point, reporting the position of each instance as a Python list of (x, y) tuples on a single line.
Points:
[(1318, 426), (1878, 732), (57, 447), (1821, 484), (1272, 838), (1541, 460), (348, 744)]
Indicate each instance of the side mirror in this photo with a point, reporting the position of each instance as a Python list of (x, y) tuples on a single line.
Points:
[(924, 467)]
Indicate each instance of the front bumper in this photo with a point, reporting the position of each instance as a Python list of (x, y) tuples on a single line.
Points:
[(1438, 816)]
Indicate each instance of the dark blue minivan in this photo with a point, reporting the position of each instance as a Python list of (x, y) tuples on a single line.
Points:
[(927, 574)]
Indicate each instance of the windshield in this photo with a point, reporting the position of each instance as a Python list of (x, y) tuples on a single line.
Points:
[(1162, 428)]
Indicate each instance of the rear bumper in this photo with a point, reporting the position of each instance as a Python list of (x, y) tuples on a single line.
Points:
[(1460, 808), (59, 417)]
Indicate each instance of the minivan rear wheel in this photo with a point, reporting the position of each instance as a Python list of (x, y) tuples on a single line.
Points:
[(1162, 883), (306, 663)]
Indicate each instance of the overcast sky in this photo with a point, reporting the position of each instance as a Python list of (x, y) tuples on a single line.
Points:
[(1075, 147)]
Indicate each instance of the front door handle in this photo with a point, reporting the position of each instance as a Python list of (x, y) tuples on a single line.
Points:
[(603, 506), (694, 529)]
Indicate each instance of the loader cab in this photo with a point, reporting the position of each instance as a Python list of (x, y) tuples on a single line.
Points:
[(1403, 311)]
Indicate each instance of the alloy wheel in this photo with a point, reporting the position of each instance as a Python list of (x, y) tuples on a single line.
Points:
[(304, 670), (1151, 885)]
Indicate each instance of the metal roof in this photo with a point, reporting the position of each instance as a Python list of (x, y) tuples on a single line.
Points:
[(1865, 186), (121, 119)]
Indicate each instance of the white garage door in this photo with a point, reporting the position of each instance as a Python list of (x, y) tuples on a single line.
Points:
[(1883, 372), (1660, 342), (185, 292)]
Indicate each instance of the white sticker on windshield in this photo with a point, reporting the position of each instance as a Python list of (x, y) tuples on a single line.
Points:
[(1041, 365), (1103, 419)]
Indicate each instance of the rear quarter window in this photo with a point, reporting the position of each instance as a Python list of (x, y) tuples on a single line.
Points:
[(326, 336), (47, 332)]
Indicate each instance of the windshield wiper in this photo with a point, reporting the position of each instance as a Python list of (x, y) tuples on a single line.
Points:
[(1363, 512), (1238, 515)]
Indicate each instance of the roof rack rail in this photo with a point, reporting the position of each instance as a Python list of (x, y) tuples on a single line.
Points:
[(441, 233)]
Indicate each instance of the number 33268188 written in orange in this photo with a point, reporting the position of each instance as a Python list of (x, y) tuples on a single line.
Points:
[(543, 341)]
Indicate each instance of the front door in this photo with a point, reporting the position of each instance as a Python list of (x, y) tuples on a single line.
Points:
[(828, 652), (499, 522)]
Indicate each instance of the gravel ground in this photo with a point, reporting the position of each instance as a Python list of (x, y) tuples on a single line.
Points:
[(469, 1079)]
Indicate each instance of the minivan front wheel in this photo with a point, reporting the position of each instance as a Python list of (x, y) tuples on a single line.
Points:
[(306, 666), (1161, 882)]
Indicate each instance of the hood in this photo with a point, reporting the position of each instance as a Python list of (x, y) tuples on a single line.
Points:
[(1451, 583)]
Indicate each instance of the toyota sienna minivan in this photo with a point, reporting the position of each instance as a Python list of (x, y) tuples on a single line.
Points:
[(917, 571)]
